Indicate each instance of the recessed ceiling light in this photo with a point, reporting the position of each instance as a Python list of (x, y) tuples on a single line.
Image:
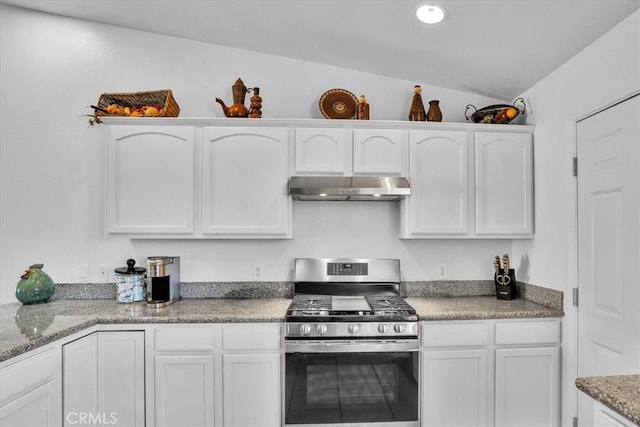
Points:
[(430, 14)]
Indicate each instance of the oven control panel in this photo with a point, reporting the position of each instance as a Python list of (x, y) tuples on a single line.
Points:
[(351, 329), (347, 269)]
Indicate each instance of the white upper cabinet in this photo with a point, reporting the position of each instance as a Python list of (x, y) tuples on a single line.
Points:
[(439, 201), (380, 152), (322, 151), (469, 185), (228, 179), (150, 180), (504, 184), (245, 176), (346, 152), (187, 181)]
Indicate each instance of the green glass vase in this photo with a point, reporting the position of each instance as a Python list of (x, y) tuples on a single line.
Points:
[(35, 286)]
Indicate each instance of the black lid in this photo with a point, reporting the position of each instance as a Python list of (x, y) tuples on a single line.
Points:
[(130, 268)]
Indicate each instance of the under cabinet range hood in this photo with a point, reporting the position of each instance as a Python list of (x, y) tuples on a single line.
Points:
[(351, 188)]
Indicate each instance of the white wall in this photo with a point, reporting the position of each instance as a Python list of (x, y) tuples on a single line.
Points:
[(604, 72), (53, 163)]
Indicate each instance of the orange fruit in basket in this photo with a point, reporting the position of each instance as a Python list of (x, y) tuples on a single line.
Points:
[(511, 112), (151, 111), (135, 113)]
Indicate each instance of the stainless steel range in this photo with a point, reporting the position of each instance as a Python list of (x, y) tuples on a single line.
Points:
[(351, 344)]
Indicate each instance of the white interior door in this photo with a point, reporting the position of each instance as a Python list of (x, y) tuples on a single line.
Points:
[(608, 248)]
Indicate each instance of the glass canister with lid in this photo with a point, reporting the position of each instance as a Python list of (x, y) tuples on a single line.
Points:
[(130, 283)]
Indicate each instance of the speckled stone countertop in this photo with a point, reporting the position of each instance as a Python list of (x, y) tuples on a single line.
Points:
[(25, 327), (479, 307), (618, 392)]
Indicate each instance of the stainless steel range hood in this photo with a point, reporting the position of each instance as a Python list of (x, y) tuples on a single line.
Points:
[(356, 188)]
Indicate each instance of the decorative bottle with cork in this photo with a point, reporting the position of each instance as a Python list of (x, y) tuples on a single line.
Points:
[(362, 109), (417, 111)]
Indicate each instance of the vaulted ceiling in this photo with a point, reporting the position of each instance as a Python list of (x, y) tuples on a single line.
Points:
[(497, 48)]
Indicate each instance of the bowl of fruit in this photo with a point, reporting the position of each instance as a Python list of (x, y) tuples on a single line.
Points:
[(497, 114)]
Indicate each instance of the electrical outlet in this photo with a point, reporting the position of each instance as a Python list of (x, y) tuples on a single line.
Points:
[(257, 271), (442, 271), (103, 273), (83, 273)]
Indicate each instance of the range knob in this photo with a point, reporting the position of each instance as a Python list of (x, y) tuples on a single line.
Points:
[(383, 328), (353, 329), (305, 329), (321, 329), (399, 327)]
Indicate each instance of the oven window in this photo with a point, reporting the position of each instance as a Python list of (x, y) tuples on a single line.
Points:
[(351, 387)]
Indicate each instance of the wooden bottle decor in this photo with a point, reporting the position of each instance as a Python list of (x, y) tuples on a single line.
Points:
[(417, 111), (362, 109), (434, 114), (255, 104)]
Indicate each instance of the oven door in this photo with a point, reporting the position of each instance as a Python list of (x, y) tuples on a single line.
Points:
[(359, 383)]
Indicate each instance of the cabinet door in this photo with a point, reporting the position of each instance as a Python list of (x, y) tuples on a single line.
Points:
[(33, 409), (379, 152), (439, 201), (245, 173), (455, 388), (31, 390), (121, 377), (251, 393), (184, 390), (322, 151), (527, 387), (504, 184), (104, 378), (80, 378), (605, 417), (150, 180)]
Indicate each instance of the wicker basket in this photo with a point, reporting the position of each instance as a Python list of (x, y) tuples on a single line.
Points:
[(163, 98)]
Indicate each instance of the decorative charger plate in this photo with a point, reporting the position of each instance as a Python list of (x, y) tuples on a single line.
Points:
[(338, 104)]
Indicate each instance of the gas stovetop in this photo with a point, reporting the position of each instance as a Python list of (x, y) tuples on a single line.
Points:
[(336, 306), (354, 298)]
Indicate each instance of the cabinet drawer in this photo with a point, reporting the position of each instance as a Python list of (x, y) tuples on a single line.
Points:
[(251, 336), (184, 338), (28, 373), (459, 334), (525, 333)]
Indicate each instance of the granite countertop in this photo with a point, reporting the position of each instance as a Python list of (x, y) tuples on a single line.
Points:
[(618, 392), (25, 327)]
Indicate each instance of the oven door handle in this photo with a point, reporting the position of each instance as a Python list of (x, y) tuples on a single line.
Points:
[(350, 346)]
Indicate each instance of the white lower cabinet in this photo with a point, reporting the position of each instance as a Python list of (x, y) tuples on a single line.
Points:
[(215, 375), (31, 391), (103, 376), (493, 372), (184, 390), (605, 417), (455, 374)]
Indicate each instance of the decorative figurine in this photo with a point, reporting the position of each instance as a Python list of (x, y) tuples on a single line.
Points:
[(362, 109), (434, 114), (417, 111), (35, 286), (255, 106), (238, 109)]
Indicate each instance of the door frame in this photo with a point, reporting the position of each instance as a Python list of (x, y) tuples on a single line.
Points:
[(573, 247)]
